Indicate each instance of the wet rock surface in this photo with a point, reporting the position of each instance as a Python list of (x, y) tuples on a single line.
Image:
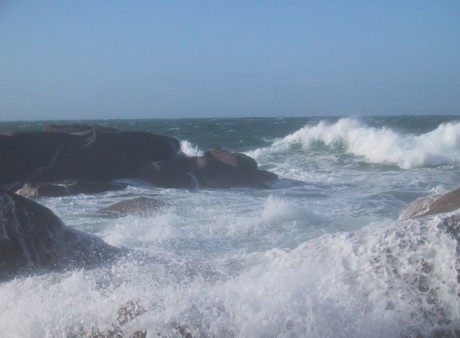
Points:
[(33, 239)]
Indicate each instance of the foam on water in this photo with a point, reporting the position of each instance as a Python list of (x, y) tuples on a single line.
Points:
[(386, 280), (377, 145), (323, 257)]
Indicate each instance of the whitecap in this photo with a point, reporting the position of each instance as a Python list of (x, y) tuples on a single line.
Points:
[(376, 145)]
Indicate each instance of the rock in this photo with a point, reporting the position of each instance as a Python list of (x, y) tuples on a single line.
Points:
[(40, 163), (418, 207), (445, 203), (140, 206), (222, 169), (64, 188), (23, 154), (165, 174), (32, 239), (105, 156), (236, 160), (433, 205), (82, 156)]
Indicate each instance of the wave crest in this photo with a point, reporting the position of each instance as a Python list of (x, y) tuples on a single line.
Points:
[(377, 145)]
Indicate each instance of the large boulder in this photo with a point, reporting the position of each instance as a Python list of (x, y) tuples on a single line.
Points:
[(23, 154), (42, 163), (103, 156), (32, 239), (219, 168), (432, 205), (69, 153)]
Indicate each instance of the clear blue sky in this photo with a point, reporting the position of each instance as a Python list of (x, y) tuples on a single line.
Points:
[(81, 59)]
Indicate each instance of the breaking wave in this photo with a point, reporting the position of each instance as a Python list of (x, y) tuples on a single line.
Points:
[(377, 145), (189, 149)]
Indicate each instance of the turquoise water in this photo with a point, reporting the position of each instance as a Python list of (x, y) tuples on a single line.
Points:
[(321, 254)]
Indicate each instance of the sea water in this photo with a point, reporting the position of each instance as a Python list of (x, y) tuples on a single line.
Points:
[(320, 254)]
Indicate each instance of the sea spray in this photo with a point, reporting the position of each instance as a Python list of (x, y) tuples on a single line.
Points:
[(189, 149), (320, 255), (376, 145)]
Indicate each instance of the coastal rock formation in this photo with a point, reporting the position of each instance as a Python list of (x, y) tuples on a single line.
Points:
[(432, 205), (92, 154), (43, 163), (219, 168), (32, 238), (140, 206)]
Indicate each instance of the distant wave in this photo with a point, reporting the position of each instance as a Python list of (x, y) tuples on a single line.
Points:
[(378, 145)]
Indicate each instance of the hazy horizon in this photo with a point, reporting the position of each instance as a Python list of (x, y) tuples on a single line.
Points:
[(118, 60)]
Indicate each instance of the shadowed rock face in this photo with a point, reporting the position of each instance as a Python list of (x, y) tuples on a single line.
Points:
[(433, 205), (42, 163), (32, 238), (89, 155)]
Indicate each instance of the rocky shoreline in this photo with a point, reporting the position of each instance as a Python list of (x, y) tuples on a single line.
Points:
[(34, 240), (72, 159)]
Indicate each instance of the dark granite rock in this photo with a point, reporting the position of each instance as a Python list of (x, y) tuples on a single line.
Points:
[(33, 239), (105, 156), (165, 174), (37, 163), (83, 156)]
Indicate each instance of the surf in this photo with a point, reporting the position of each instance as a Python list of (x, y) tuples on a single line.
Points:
[(383, 145)]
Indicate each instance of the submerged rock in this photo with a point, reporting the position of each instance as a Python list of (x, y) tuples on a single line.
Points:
[(140, 206), (32, 238), (432, 205)]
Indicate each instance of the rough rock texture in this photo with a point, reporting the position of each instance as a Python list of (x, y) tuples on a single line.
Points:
[(43, 163), (32, 238), (432, 205), (140, 206)]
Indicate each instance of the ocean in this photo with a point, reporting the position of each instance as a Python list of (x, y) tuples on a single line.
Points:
[(323, 253)]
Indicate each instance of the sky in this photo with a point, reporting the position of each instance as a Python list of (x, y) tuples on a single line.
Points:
[(115, 59)]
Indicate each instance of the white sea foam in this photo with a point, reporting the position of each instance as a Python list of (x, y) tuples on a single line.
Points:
[(189, 149), (377, 145), (384, 281), (326, 258)]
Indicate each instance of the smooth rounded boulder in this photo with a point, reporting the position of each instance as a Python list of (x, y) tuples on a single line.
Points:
[(33, 239)]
